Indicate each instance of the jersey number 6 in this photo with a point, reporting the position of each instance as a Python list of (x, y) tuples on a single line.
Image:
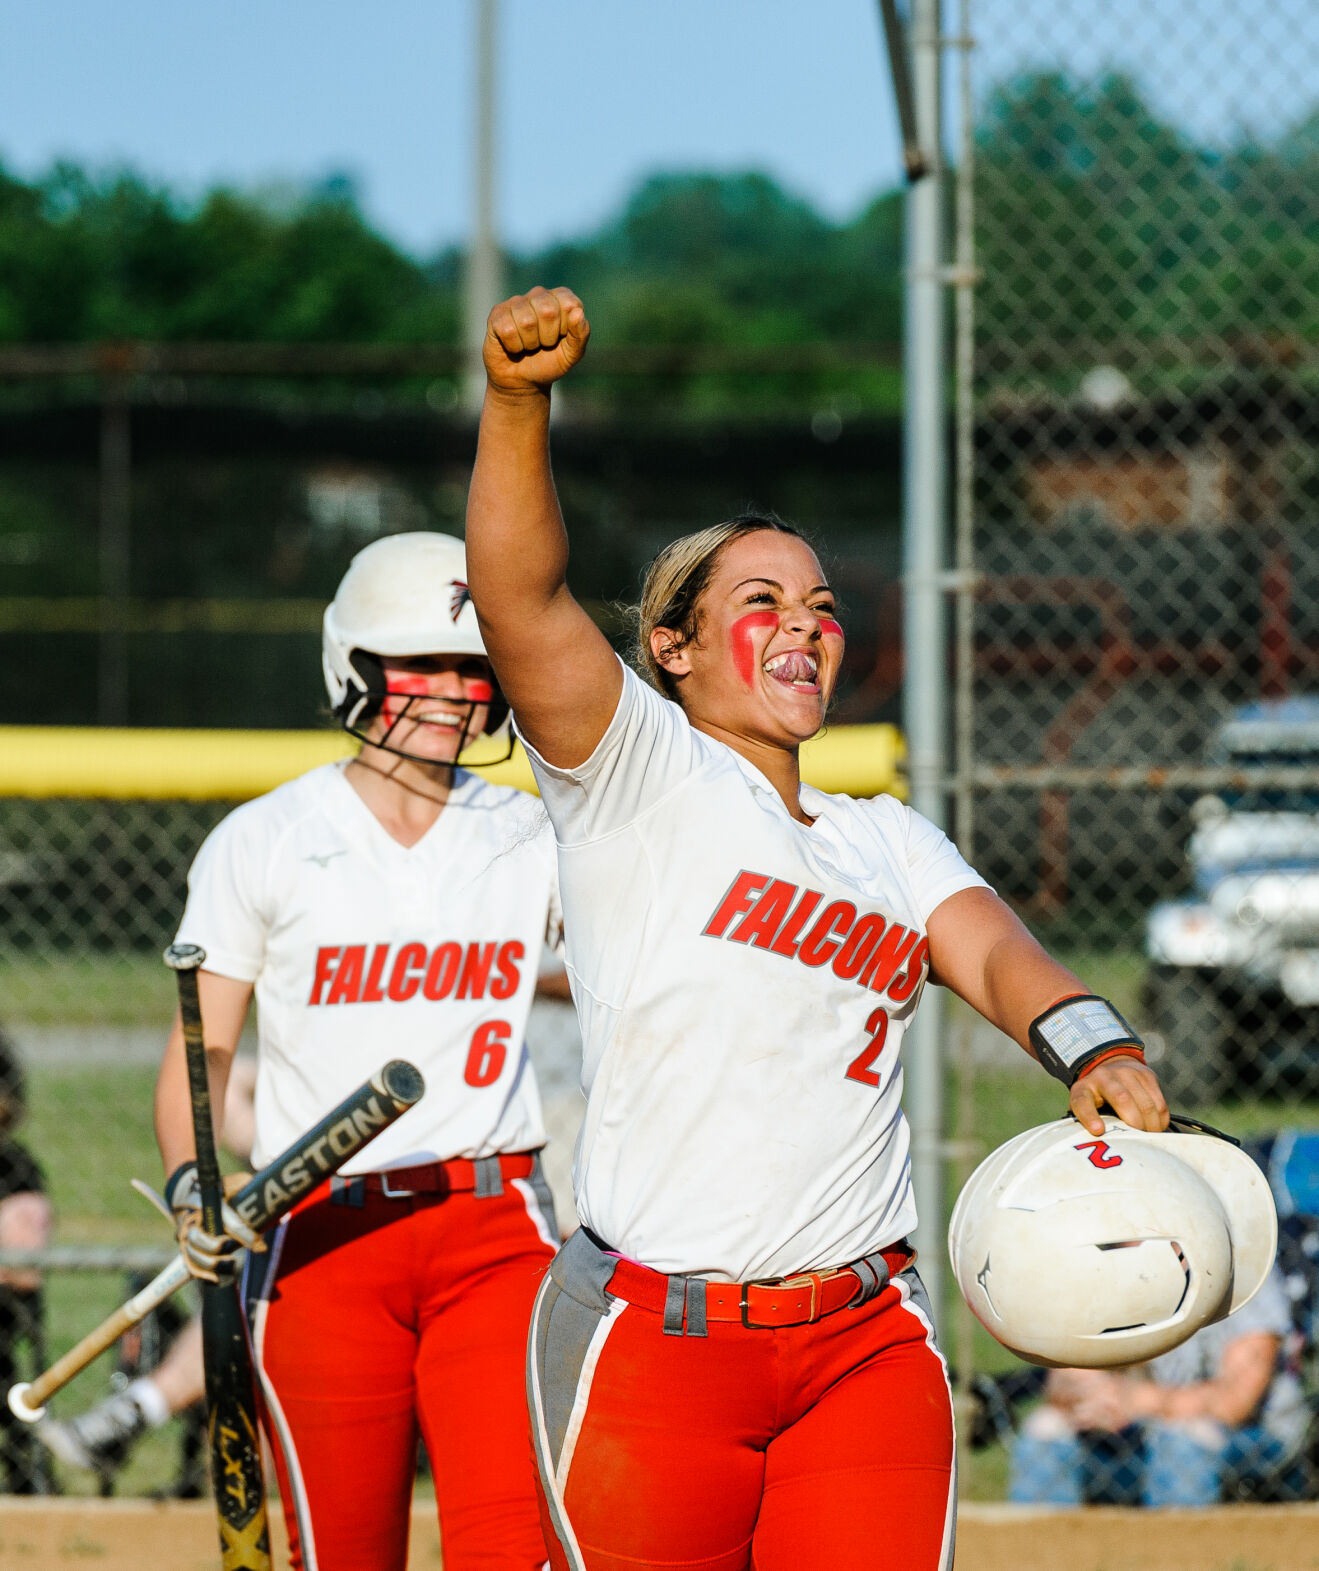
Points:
[(485, 1057), (859, 1068)]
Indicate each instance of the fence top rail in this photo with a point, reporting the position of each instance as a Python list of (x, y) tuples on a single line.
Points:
[(195, 765), (132, 358), (89, 1257), (1140, 777)]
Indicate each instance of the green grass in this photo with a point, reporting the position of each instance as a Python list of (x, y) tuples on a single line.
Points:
[(86, 990), (91, 1130)]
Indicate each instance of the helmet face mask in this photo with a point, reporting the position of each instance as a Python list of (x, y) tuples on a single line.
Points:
[(405, 597), (1100, 1252), (400, 708)]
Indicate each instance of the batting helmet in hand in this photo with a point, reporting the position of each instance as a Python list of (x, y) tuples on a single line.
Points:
[(1094, 1252)]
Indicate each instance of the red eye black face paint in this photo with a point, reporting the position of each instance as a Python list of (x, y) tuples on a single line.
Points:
[(407, 684), (478, 691), (828, 625), (739, 636)]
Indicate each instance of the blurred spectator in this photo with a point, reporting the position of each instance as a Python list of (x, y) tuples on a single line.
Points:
[(25, 1223), (1221, 1409)]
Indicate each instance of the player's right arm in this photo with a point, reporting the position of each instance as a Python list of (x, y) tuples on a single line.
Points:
[(555, 667), (224, 1004)]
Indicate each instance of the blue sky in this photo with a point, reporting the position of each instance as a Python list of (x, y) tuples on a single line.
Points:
[(595, 93)]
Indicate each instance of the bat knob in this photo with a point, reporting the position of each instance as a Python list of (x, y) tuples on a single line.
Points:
[(402, 1080), (185, 957), (18, 1403)]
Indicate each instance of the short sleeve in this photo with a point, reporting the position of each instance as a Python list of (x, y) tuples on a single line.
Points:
[(223, 913), (936, 867), (648, 750)]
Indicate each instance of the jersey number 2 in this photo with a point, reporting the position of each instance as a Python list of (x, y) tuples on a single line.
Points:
[(485, 1057), (859, 1068)]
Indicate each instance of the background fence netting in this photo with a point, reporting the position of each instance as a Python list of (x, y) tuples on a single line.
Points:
[(1140, 733)]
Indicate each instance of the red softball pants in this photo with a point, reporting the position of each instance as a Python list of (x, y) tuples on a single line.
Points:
[(375, 1316), (818, 1447)]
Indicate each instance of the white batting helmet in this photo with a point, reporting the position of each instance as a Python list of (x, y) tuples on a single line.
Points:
[(1095, 1252), (402, 595)]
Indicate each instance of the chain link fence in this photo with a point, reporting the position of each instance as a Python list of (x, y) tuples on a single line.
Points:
[(1139, 532)]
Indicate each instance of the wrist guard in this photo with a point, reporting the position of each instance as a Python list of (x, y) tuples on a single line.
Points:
[(1074, 1034), (182, 1191)]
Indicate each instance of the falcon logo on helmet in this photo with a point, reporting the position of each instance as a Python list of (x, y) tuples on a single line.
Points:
[(403, 595), (1098, 1269)]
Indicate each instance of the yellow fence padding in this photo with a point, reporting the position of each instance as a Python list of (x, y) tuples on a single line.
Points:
[(43, 761)]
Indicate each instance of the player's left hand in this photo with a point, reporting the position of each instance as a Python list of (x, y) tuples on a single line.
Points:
[(1127, 1086), (207, 1257)]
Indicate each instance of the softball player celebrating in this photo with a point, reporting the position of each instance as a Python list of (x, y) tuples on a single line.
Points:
[(392, 907), (733, 1363)]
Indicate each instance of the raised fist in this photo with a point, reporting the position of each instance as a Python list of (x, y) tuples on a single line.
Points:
[(534, 339)]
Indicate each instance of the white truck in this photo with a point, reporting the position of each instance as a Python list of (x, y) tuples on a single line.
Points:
[(1232, 992)]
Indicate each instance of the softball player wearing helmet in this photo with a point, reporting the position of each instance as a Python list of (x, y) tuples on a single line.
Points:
[(733, 1361), (391, 907)]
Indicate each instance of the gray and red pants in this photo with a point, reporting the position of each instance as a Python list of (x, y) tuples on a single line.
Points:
[(376, 1315), (674, 1426)]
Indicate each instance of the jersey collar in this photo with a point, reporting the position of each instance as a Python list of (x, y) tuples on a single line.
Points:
[(356, 818), (818, 804)]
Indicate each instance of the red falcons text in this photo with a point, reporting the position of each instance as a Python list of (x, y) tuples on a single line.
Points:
[(863, 947), (376, 973)]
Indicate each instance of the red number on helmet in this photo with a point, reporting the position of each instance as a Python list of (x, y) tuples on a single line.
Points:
[(1100, 1155)]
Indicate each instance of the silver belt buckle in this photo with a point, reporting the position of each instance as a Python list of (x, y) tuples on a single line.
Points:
[(391, 1193)]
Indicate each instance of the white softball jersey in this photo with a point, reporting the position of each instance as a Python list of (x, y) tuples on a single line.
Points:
[(743, 983), (362, 950)]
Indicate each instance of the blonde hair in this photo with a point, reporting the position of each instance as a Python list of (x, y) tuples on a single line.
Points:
[(675, 582)]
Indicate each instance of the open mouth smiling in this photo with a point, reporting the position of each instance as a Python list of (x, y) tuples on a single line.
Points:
[(798, 669)]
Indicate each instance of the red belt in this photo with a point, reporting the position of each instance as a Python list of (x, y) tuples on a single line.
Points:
[(786, 1301), (442, 1178)]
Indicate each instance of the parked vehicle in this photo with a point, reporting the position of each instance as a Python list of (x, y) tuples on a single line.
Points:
[(1232, 995)]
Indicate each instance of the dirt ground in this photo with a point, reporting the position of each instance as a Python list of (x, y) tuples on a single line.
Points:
[(129, 1535)]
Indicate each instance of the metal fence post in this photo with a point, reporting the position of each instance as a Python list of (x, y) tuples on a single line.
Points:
[(481, 277), (962, 1340), (924, 692)]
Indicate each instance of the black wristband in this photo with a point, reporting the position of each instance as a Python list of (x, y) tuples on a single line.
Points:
[(1075, 1031), (183, 1177)]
